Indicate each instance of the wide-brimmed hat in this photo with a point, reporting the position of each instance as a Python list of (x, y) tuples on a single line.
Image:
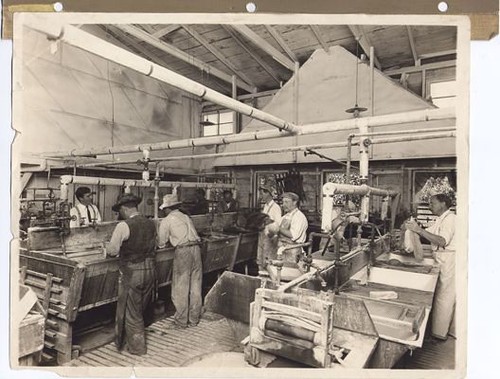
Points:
[(291, 195), (127, 198), (170, 200)]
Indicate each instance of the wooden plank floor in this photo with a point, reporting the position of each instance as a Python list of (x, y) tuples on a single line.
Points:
[(434, 355), (168, 347)]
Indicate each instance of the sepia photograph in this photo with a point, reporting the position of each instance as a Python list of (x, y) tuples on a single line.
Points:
[(201, 192)]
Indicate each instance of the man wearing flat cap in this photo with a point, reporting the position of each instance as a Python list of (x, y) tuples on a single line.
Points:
[(441, 235), (268, 238), (178, 229), (133, 241), (293, 226)]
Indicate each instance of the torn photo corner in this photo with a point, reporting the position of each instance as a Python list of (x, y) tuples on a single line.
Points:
[(139, 104)]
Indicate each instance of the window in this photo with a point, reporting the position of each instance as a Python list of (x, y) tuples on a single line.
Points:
[(221, 124), (443, 94)]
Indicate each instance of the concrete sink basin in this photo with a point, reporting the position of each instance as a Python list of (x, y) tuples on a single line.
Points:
[(397, 278), (407, 260)]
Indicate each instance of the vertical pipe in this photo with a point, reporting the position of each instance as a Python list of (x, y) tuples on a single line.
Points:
[(424, 87), (296, 102), (372, 81), (157, 195), (234, 93), (348, 165)]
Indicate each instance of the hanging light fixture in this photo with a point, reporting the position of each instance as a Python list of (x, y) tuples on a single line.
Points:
[(356, 110), (207, 122)]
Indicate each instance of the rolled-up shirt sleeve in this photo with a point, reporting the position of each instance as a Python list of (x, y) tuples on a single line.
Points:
[(120, 234), (447, 228), (163, 233)]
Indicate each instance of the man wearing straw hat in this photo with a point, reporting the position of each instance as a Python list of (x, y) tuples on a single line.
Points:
[(441, 235), (133, 240), (178, 229)]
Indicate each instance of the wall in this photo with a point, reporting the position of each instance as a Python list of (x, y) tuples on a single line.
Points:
[(393, 175), (326, 88), (67, 98)]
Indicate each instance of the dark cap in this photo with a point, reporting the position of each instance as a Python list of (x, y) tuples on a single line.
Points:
[(124, 199), (291, 195)]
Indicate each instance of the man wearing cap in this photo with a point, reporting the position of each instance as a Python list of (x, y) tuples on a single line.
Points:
[(84, 212), (133, 240), (293, 226), (268, 238), (441, 235), (178, 229)]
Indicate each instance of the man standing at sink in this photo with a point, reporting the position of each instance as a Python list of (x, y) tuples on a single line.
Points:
[(268, 238), (133, 241), (441, 235), (293, 226), (178, 230)]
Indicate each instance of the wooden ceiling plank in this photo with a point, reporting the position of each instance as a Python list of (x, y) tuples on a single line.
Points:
[(266, 46), (428, 66), (412, 44), (319, 37), (364, 42), (172, 50), (279, 39), (216, 52), (259, 60), (165, 31), (124, 37)]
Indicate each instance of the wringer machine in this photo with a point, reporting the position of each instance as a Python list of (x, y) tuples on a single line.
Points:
[(348, 306)]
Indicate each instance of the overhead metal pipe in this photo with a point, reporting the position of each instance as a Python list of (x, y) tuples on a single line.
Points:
[(89, 180), (281, 149), (331, 126)]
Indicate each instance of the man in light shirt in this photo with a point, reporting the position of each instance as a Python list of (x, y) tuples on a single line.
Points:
[(293, 225), (178, 230), (268, 238), (441, 235), (84, 212)]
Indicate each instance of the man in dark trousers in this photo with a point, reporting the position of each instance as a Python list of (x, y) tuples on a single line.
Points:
[(133, 241)]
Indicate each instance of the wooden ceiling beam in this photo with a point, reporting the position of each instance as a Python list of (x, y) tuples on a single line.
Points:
[(216, 52), (165, 31), (181, 55), (428, 66), (412, 44), (134, 44), (266, 46), (255, 57), (279, 39), (364, 42), (319, 37)]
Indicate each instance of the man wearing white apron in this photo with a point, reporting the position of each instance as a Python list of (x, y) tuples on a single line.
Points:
[(441, 235), (293, 226)]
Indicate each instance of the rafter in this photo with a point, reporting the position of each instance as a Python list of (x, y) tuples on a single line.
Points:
[(216, 52), (364, 42), (179, 54), (279, 39), (258, 59), (266, 46), (319, 37), (165, 31), (412, 44), (124, 37)]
